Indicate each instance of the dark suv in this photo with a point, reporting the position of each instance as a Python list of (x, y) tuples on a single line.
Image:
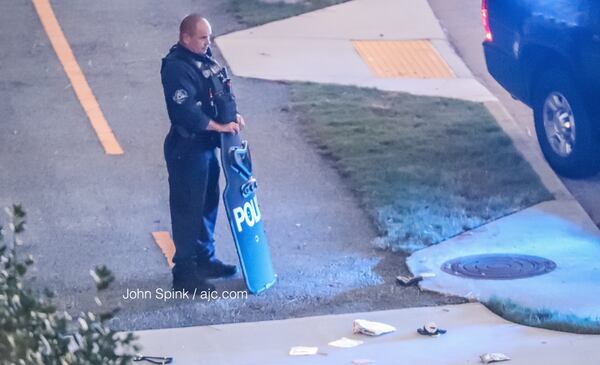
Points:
[(546, 53)]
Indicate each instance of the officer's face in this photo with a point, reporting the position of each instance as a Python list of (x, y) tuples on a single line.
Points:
[(200, 40)]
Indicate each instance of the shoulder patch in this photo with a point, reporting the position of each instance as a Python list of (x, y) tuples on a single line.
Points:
[(179, 96)]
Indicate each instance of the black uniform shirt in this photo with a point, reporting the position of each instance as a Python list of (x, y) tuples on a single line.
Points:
[(187, 90)]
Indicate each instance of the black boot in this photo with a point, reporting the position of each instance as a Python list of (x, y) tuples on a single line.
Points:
[(216, 269), (186, 276)]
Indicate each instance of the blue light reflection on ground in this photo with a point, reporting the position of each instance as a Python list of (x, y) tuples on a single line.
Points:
[(553, 230)]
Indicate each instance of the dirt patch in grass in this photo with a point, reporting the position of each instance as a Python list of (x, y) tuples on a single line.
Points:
[(251, 13), (426, 168)]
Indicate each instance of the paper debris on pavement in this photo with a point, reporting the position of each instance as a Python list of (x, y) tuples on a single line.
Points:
[(493, 357), (410, 280), (363, 361), (303, 351), (345, 343), (371, 328)]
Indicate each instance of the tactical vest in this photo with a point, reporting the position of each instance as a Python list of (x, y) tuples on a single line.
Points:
[(222, 99)]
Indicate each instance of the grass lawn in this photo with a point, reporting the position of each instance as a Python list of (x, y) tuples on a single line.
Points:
[(256, 12), (544, 318), (425, 168)]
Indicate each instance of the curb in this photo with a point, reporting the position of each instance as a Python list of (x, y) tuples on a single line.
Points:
[(530, 152)]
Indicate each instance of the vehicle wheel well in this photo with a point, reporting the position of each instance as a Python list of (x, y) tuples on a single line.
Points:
[(537, 61)]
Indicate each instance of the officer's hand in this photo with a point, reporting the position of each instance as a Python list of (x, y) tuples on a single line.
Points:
[(240, 121), (231, 127)]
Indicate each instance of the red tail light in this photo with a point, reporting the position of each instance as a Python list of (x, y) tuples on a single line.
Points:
[(486, 21)]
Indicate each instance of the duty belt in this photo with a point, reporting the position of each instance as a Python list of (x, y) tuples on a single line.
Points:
[(208, 139), (184, 132)]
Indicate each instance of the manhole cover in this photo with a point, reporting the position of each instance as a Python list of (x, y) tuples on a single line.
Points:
[(498, 266)]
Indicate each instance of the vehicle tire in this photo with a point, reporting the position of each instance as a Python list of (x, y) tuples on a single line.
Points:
[(563, 125)]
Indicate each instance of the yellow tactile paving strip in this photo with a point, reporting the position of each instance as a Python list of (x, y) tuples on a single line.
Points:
[(165, 242), (408, 59), (80, 85)]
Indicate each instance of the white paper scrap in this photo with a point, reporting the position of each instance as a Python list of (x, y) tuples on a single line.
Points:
[(303, 351), (493, 357), (345, 343), (371, 328), (363, 361)]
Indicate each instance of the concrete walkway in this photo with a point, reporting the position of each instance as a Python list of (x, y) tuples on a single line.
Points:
[(472, 331), (553, 230), (317, 47)]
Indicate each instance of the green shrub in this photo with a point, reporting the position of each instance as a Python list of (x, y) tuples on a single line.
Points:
[(34, 331)]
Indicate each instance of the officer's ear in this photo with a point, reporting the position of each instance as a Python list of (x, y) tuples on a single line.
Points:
[(185, 38)]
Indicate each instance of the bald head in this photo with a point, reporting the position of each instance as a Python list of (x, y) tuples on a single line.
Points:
[(188, 24), (194, 33)]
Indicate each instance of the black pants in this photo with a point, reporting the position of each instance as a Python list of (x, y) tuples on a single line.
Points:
[(193, 196)]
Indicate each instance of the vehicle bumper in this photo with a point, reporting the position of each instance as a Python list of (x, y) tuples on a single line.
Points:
[(507, 71)]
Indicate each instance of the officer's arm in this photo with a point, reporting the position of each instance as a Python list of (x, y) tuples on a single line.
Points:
[(181, 94), (232, 127)]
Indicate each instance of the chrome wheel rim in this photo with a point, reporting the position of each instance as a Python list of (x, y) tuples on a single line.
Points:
[(559, 124)]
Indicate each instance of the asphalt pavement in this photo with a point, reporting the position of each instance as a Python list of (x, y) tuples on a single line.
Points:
[(86, 208)]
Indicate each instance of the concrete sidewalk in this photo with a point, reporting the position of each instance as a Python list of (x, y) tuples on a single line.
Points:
[(318, 47), (472, 331), (553, 230)]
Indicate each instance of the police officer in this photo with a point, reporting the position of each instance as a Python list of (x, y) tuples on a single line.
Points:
[(187, 74)]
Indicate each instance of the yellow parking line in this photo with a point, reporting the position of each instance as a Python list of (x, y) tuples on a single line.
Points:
[(165, 242), (82, 88)]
